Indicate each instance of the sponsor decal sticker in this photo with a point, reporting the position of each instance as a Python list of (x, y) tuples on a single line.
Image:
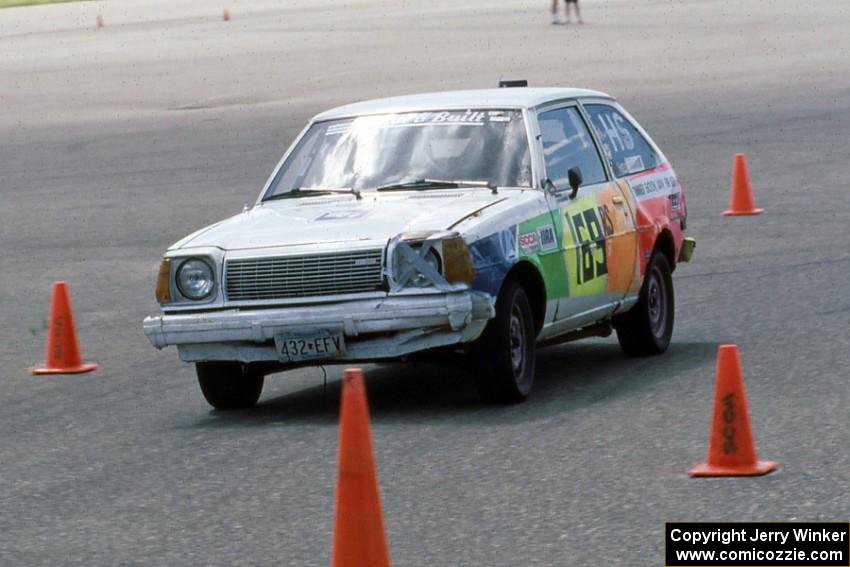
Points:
[(546, 235), (634, 163), (529, 242), (339, 128), (653, 185), (467, 117)]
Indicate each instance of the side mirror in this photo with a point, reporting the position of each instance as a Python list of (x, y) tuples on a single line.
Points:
[(575, 179)]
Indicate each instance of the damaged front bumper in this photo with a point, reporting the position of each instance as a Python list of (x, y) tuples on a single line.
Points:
[(374, 328)]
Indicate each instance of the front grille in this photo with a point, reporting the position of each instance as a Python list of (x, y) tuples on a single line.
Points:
[(301, 276)]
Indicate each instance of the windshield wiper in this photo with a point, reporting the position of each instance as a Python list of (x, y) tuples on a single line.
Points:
[(299, 191), (421, 184)]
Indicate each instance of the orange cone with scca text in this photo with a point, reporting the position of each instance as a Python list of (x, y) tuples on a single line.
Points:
[(741, 201), (359, 536), (62, 354), (731, 449)]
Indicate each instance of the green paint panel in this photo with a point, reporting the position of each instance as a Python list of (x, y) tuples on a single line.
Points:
[(538, 242)]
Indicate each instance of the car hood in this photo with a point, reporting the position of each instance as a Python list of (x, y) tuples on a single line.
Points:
[(342, 218)]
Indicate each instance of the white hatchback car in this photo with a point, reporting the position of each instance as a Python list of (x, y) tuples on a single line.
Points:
[(488, 222)]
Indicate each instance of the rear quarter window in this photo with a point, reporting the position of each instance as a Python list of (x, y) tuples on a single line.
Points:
[(624, 147)]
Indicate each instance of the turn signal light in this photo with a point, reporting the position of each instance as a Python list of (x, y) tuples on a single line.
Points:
[(163, 281), (457, 262)]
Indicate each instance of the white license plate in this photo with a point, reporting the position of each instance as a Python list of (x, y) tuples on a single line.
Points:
[(307, 346)]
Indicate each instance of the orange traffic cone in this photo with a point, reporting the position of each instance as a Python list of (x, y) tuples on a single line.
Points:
[(741, 200), (731, 450), (62, 354), (359, 537)]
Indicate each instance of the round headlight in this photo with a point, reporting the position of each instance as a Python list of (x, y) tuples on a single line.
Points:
[(432, 260), (417, 279), (195, 279)]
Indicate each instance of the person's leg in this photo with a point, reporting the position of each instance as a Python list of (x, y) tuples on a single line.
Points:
[(578, 12), (555, 18)]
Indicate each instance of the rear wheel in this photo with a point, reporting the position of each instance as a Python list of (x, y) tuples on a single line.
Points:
[(505, 354), (229, 385), (648, 327)]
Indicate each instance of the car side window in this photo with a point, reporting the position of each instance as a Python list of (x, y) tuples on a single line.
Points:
[(567, 143), (624, 147)]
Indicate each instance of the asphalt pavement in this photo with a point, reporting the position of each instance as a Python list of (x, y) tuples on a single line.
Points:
[(118, 141)]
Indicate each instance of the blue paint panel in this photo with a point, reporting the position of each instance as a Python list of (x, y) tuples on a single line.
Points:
[(493, 256)]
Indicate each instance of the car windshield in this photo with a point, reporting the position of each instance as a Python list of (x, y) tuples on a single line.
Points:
[(405, 151)]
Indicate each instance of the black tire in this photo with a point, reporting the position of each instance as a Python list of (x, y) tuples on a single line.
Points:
[(647, 328), (505, 352), (229, 385)]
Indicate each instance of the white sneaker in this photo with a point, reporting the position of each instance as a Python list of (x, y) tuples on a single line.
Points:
[(556, 21)]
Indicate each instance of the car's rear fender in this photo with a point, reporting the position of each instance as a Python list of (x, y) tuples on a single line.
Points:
[(656, 230)]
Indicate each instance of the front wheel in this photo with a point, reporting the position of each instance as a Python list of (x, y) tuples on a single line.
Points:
[(648, 327), (505, 354), (229, 385)]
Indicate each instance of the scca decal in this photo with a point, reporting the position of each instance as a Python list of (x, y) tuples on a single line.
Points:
[(589, 229), (529, 242)]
